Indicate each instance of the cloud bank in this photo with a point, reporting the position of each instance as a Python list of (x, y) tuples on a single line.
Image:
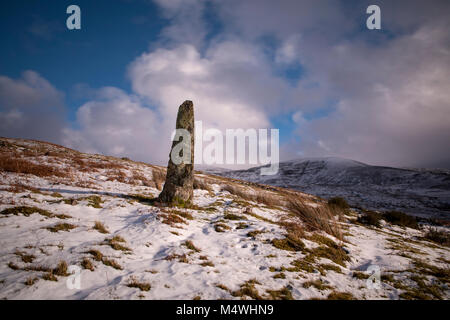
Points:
[(376, 97)]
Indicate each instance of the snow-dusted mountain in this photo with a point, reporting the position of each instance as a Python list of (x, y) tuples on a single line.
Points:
[(423, 192)]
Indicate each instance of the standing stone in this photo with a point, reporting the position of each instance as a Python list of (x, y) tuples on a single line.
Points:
[(180, 177)]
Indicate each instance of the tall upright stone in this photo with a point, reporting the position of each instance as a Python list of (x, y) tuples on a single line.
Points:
[(180, 175)]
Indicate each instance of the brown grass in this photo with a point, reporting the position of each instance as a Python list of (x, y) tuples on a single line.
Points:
[(158, 177), (171, 219), (61, 269), (61, 227), (320, 218), (438, 236), (112, 263), (282, 294), (49, 276), (248, 289), (19, 187), (143, 286), (14, 163), (255, 194), (221, 227), (207, 264), (190, 245), (202, 184), (88, 165), (26, 211), (87, 264), (117, 175), (115, 244), (97, 255), (318, 284), (138, 178), (335, 295), (30, 281), (100, 227), (27, 258)]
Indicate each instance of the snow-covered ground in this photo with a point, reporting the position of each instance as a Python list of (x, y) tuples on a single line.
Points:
[(220, 248)]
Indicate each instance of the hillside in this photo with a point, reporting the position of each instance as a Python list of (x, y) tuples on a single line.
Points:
[(239, 240), (420, 192)]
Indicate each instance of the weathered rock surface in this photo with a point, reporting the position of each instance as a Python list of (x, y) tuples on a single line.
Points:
[(180, 177)]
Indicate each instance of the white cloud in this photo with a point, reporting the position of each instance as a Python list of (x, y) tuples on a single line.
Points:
[(215, 82), (288, 52), (118, 124), (394, 105)]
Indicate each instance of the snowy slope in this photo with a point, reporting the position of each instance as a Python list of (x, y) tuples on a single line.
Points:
[(416, 191), (181, 253)]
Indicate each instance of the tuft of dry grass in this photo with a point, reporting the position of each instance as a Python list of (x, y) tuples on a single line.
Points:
[(335, 295), (172, 219), (49, 276), (290, 243), (115, 244), (61, 227), (181, 258), (232, 216), (436, 236), (339, 202), (190, 245), (320, 218), (30, 281), (183, 214), (223, 287), (87, 264), (27, 258), (112, 263), (207, 264), (19, 187), (100, 227), (93, 201), (401, 219), (158, 178), (248, 289), (282, 294), (202, 184), (258, 195), (370, 218), (14, 163), (134, 283), (318, 284), (61, 269), (97, 255), (221, 227), (117, 175), (27, 211)]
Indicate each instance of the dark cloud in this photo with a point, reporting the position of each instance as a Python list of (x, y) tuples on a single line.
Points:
[(30, 107), (389, 88)]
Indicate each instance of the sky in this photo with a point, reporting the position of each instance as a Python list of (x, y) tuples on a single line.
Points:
[(309, 68)]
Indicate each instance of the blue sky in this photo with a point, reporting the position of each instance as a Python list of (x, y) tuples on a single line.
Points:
[(309, 68), (113, 33)]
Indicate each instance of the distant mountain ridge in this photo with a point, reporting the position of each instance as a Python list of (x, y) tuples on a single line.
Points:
[(423, 192)]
